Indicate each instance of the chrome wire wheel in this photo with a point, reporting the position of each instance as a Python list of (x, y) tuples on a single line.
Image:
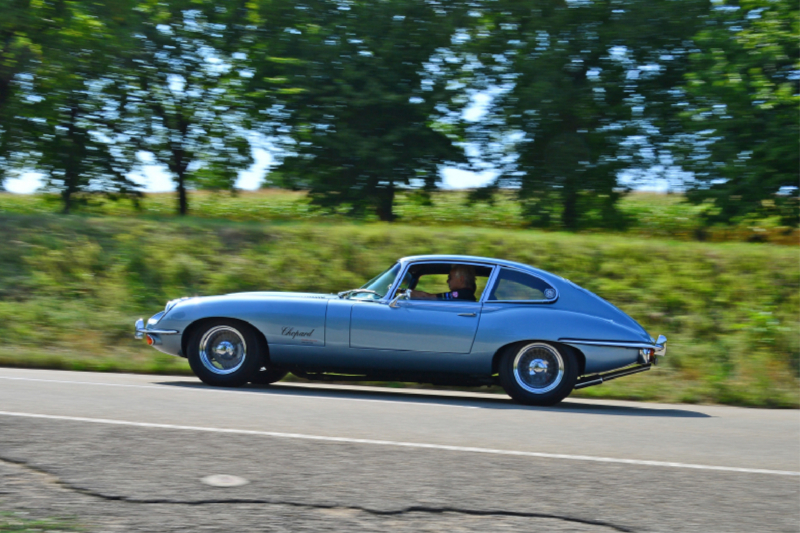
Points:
[(538, 368), (223, 350)]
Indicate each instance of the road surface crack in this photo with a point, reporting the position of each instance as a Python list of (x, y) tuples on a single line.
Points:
[(66, 485)]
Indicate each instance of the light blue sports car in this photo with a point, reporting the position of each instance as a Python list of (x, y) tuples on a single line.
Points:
[(538, 335)]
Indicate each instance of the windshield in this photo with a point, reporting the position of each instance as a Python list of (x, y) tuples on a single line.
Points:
[(380, 283)]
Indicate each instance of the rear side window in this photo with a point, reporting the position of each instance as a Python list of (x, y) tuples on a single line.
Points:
[(513, 285)]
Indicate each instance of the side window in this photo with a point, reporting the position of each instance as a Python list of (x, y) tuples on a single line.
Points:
[(434, 278), (515, 285)]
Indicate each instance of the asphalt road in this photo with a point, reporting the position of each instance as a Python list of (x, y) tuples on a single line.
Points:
[(116, 452)]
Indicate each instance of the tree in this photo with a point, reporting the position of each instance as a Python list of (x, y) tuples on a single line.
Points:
[(68, 142), (184, 94), (574, 82), (22, 27), (741, 115), (356, 101), (63, 105)]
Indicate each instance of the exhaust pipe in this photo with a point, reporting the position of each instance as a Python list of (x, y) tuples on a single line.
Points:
[(597, 379)]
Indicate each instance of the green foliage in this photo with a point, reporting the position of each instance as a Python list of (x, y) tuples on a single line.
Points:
[(744, 90), (574, 82), (368, 99), (24, 28), (359, 107), (646, 214), (71, 288), (62, 128), (187, 93), (19, 522), (113, 79)]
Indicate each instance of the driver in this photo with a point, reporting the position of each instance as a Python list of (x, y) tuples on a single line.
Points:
[(461, 282)]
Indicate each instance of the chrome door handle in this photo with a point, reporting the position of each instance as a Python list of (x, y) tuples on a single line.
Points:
[(467, 314)]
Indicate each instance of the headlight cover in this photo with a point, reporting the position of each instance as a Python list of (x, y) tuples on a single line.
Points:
[(173, 303)]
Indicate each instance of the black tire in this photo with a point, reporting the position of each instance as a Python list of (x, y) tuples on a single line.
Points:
[(225, 352), (549, 376), (268, 376)]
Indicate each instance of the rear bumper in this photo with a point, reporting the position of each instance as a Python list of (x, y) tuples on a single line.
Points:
[(648, 351), (661, 346)]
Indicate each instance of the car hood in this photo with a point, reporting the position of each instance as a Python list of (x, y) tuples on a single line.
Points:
[(276, 294)]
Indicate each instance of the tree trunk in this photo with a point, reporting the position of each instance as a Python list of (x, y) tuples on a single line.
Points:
[(178, 166), (71, 174), (569, 217), (66, 197), (384, 209), (183, 206), (5, 90)]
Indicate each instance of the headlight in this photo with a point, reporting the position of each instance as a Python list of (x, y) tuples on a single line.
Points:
[(173, 303)]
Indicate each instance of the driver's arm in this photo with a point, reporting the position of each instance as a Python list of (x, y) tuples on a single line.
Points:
[(422, 295)]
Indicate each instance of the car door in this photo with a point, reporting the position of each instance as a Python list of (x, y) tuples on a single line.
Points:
[(415, 325)]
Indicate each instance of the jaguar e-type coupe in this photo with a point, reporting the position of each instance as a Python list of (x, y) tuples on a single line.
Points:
[(538, 335)]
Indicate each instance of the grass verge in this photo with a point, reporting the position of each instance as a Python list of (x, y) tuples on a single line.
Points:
[(72, 286), (18, 522)]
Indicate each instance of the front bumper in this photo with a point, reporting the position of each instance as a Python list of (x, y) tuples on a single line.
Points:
[(141, 331)]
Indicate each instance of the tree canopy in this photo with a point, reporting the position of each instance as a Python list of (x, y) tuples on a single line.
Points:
[(742, 122), (356, 104), (576, 81), (365, 98)]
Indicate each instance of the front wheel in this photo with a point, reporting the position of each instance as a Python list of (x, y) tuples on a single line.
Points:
[(225, 353), (538, 373)]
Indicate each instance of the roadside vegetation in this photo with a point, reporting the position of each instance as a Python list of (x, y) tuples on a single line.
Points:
[(18, 522), (72, 286), (641, 214)]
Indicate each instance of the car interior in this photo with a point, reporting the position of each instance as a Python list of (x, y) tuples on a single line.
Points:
[(432, 278)]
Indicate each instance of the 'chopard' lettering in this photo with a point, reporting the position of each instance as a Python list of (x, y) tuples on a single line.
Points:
[(289, 331)]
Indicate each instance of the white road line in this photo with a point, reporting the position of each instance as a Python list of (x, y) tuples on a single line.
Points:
[(228, 391), (401, 444)]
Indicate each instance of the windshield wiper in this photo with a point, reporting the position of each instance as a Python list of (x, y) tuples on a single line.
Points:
[(345, 294)]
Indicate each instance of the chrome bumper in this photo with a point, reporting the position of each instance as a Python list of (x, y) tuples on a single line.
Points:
[(141, 330), (661, 346), (649, 352), (651, 355)]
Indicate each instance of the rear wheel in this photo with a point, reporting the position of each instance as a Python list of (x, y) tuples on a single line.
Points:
[(225, 353), (538, 373)]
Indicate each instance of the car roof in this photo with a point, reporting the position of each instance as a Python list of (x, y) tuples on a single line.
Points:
[(478, 259)]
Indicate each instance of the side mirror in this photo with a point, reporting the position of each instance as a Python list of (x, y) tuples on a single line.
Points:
[(401, 295)]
